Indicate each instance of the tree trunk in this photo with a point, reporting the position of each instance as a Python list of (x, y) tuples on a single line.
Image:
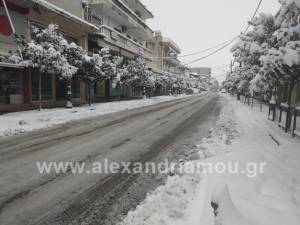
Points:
[(119, 92), (144, 93), (89, 84), (86, 91), (40, 90), (69, 94), (289, 110)]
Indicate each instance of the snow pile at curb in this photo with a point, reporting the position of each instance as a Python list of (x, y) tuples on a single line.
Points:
[(184, 196), (243, 198), (167, 203), (221, 136), (21, 122)]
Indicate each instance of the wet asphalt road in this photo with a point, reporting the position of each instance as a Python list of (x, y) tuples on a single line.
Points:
[(140, 135)]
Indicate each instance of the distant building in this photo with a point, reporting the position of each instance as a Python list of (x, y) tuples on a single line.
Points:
[(206, 71), (165, 52)]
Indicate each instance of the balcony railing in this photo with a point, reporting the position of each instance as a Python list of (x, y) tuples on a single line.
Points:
[(133, 18), (128, 11), (122, 41)]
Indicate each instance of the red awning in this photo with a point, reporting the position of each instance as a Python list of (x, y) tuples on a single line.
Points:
[(5, 28)]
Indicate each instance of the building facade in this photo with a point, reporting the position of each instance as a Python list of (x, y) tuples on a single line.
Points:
[(165, 52), (19, 86), (120, 25), (122, 28)]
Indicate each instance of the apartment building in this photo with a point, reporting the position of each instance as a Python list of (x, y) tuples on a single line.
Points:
[(122, 28), (92, 24), (165, 52), (19, 86), (202, 78)]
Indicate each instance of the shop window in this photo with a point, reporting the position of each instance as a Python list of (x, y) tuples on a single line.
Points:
[(11, 85), (60, 86), (47, 86), (296, 95), (75, 88), (99, 89)]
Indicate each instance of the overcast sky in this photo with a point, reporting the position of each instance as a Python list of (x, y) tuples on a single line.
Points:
[(199, 24)]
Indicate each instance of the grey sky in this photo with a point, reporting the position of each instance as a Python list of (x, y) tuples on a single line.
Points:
[(199, 24)]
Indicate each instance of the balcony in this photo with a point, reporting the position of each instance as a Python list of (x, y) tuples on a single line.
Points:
[(173, 61), (169, 42), (121, 40), (125, 16)]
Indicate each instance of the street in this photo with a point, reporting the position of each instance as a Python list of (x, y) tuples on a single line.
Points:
[(140, 135), (121, 112)]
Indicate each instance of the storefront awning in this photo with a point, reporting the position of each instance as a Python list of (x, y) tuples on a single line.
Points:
[(11, 65), (127, 54)]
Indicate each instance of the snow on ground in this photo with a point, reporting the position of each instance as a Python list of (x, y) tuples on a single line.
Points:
[(243, 197), (21, 122)]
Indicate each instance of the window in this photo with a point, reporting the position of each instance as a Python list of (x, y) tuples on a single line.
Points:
[(47, 84), (138, 13), (124, 29), (75, 88), (296, 95), (11, 85), (87, 14)]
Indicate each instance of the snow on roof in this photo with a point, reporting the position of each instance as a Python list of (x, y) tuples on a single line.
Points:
[(63, 12), (12, 65)]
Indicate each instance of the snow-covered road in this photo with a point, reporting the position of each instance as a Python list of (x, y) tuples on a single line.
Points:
[(144, 134), (243, 197), (26, 121)]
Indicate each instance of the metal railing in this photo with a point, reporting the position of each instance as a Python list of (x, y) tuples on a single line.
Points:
[(122, 41)]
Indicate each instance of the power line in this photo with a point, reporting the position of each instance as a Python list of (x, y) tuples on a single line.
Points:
[(212, 53), (194, 53), (219, 49), (256, 10), (223, 44), (205, 50)]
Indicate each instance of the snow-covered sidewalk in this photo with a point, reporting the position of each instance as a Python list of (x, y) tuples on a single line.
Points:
[(266, 191), (21, 122)]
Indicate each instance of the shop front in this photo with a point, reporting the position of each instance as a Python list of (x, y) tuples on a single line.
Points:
[(14, 87), (53, 90)]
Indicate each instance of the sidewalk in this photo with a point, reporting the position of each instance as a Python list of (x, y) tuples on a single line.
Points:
[(21, 122), (242, 136)]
